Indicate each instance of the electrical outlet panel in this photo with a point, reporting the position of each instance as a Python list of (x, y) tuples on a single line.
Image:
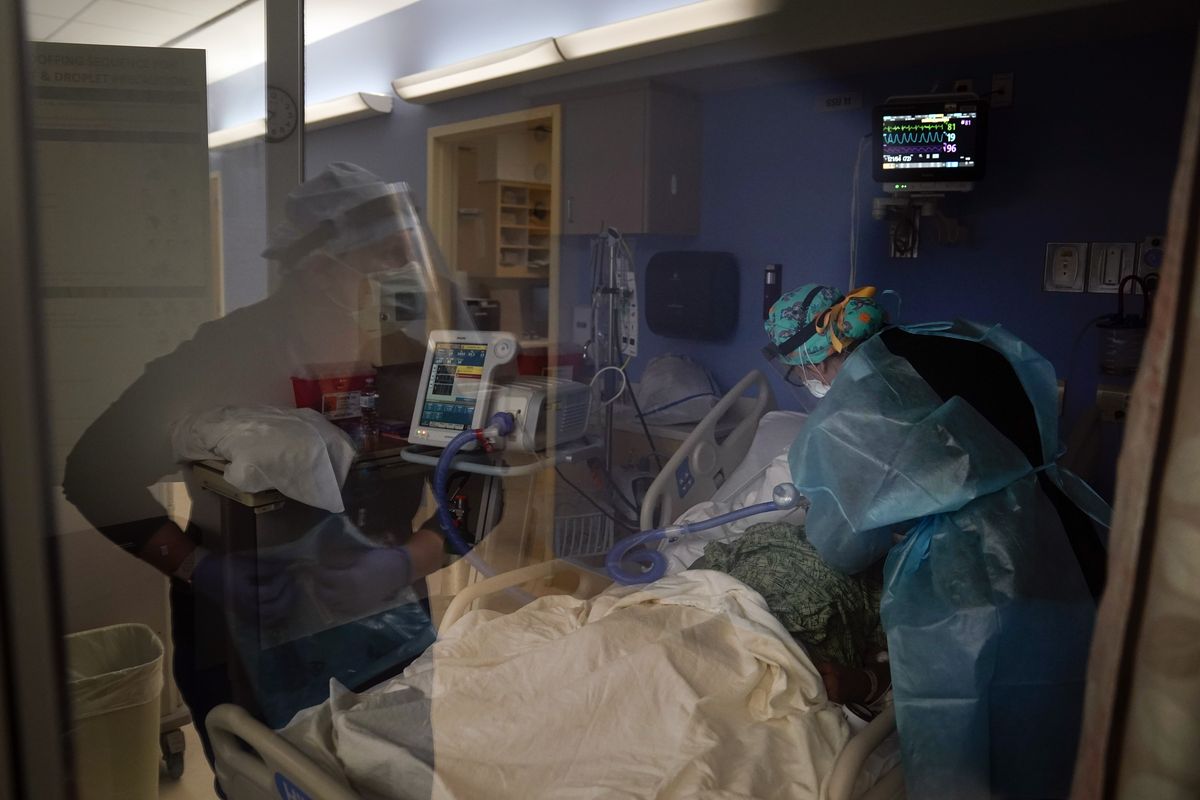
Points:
[(1108, 264), (1066, 267), (1150, 258), (1002, 90)]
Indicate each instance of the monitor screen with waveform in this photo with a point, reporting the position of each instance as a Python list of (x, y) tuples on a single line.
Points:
[(933, 141)]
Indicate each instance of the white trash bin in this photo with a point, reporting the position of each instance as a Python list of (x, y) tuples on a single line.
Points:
[(115, 678)]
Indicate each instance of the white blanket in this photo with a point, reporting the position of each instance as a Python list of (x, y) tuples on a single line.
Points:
[(293, 450), (681, 689)]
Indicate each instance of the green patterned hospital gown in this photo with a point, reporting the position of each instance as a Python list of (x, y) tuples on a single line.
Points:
[(835, 616)]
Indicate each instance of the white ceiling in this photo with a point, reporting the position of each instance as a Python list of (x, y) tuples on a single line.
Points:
[(234, 43)]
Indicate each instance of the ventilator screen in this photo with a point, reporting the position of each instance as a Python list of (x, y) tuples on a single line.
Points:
[(454, 380)]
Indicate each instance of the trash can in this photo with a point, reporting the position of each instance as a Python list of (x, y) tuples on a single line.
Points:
[(115, 679)]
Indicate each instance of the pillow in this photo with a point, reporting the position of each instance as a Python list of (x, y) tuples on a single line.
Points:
[(676, 390)]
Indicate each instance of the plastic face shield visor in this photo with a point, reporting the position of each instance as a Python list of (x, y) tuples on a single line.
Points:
[(794, 374), (386, 226)]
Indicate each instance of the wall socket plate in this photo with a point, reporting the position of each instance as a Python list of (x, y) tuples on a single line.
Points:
[(1108, 264), (1066, 267), (1150, 258)]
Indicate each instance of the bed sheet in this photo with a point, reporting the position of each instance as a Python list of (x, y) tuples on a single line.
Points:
[(764, 467), (684, 688)]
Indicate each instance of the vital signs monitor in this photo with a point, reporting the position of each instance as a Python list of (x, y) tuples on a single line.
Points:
[(930, 143)]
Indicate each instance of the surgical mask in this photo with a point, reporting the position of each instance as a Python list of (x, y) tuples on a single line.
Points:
[(816, 388)]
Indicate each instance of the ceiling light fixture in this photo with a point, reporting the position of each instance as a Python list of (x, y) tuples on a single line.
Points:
[(444, 82), (659, 26), (316, 116)]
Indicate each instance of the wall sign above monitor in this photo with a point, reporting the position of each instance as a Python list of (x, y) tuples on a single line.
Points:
[(932, 143)]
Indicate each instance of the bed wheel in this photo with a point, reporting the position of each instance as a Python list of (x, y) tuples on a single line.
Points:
[(173, 744)]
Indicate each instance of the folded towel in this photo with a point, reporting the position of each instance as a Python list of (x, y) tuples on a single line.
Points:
[(293, 450)]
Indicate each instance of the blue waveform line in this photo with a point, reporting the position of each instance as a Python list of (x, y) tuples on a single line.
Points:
[(924, 137)]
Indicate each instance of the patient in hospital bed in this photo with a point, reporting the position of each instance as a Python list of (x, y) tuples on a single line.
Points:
[(678, 689), (833, 615), (709, 681)]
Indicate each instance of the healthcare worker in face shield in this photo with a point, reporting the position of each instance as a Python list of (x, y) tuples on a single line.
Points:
[(345, 228), (935, 446)]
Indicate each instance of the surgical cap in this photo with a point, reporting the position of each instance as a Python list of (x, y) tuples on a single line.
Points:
[(343, 208), (834, 322)]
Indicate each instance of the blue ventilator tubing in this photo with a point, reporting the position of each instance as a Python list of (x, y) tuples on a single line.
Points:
[(653, 564)]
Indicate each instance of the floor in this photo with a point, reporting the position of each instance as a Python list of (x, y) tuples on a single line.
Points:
[(197, 780)]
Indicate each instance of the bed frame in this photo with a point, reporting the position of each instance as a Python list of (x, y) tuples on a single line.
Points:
[(255, 763)]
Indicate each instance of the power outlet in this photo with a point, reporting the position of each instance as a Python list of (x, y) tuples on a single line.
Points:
[(1002, 90), (1109, 264), (1066, 266), (964, 86), (1150, 259), (1113, 402)]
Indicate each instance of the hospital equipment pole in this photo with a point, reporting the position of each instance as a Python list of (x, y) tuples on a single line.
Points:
[(613, 356)]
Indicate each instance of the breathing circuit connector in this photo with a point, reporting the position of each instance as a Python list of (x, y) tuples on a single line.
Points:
[(500, 425)]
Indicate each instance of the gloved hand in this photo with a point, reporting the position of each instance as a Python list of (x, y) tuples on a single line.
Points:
[(353, 576), (261, 583)]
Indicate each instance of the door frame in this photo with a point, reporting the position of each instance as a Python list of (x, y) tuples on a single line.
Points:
[(442, 189)]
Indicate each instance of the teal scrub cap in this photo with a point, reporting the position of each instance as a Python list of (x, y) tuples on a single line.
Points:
[(809, 324)]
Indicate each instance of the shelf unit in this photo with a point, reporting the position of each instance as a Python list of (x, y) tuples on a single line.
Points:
[(516, 230)]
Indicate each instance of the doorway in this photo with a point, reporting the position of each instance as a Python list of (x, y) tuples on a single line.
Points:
[(494, 189), (494, 196)]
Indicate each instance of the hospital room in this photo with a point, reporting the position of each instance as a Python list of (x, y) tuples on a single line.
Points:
[(456, 399)]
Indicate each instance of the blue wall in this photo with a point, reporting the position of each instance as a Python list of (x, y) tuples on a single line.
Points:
[(1086, 153)]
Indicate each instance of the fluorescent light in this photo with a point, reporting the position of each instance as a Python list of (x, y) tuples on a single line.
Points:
[(316, 116), (346, 109), (693, 18), (446, 81), (239, 133)]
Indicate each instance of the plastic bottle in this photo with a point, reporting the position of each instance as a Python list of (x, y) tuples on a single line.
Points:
[(369, 405)]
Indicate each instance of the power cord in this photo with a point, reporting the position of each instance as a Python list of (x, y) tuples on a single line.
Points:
[(645, 428), (593, 503)]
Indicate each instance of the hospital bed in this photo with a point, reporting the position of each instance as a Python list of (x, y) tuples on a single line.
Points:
[(714, 465)]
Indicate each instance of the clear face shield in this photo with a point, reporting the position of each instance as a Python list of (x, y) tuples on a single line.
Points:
[(335, 590), (377, 261), (806, 379)]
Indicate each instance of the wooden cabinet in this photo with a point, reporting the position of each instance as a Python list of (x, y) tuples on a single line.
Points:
[(631, 160), (506, 232)]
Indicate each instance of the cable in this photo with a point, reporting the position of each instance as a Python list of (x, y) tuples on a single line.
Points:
[(645, 428), (624, 382), (612, 484), (593, 503), (854, 212)]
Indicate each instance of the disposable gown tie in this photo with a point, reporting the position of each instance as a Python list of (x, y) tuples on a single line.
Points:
[(987, 614)]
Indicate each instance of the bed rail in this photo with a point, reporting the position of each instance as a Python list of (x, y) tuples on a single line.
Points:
[(256, 763), (698, 468)]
